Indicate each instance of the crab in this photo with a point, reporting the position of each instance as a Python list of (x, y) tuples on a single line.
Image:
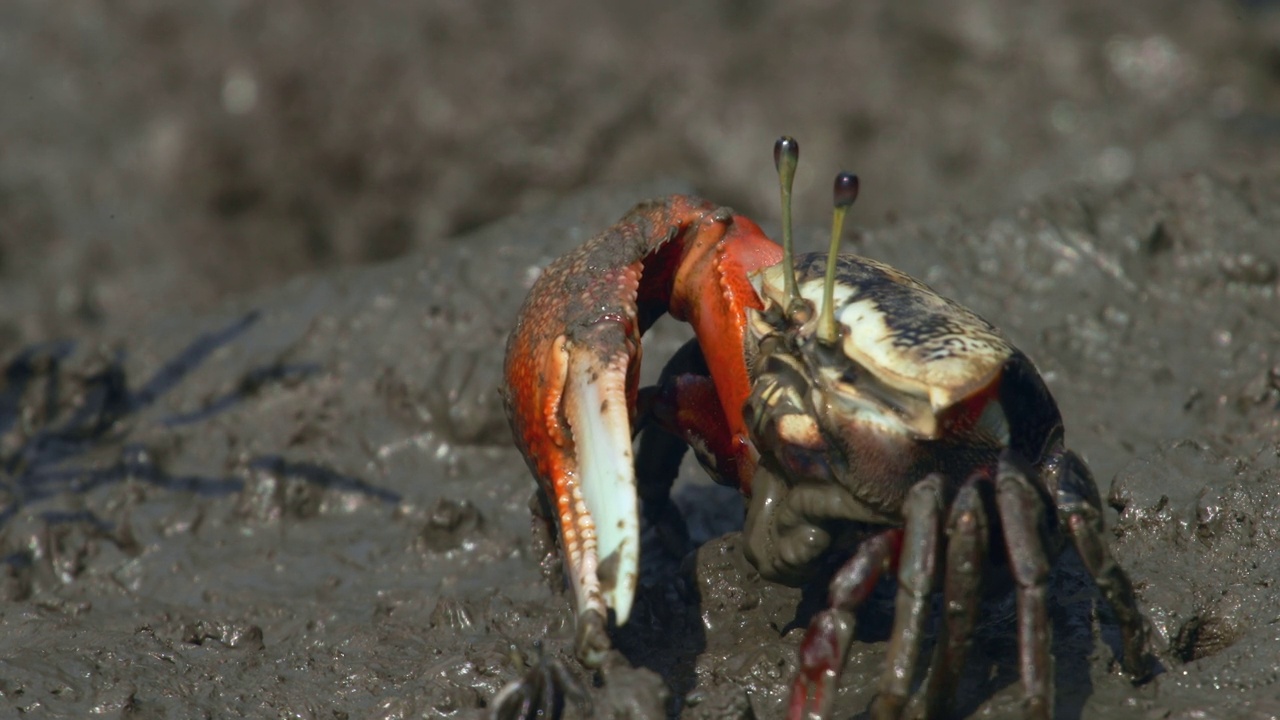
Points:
[(863, 417)]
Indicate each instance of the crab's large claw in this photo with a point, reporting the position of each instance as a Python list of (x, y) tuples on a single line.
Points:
[(579, 445), (572, 367)]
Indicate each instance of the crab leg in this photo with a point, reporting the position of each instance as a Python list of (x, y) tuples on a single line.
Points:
[(962, 593), (660, 453), (825, 646), (571, 374), (1080, 511), (916, 570), (1022, 516)]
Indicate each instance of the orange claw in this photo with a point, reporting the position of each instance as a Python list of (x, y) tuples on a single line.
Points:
[(571, 378)]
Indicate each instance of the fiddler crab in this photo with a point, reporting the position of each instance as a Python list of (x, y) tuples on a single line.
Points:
[(859, 413)]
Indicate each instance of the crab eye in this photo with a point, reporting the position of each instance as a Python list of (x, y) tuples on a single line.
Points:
[(849, 376)]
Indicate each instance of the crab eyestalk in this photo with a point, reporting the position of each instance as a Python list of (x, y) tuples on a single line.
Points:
[(845, 192), (786, 155)]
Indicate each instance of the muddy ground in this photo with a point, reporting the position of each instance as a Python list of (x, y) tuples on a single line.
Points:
[(230, 489)]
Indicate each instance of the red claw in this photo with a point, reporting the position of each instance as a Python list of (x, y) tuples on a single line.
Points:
[(571, 378)]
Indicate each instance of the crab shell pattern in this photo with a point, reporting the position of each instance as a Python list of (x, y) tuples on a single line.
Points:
[(915, 384)]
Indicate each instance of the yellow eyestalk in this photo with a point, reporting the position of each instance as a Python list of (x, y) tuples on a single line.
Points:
[(786, 155), (846, 191)]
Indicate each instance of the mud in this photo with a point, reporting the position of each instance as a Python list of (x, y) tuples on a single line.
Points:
[(172, 153), (230, 490), (307, 503)]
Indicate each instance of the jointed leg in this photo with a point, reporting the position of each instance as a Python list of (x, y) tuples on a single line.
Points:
[(961, 595), (826, 643), (662, 448), (1080, 513), (923, 515), (1022, 515)]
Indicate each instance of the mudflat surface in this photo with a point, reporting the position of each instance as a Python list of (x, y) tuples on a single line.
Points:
[(306, 503), (230, 490)]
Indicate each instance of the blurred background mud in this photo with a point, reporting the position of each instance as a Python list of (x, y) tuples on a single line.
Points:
[(161, 153)]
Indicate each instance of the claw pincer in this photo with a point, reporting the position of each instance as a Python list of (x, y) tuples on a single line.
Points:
[(571, 378)]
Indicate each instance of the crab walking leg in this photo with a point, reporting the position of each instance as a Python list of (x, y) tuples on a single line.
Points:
[(961, 595), (1021, 516), (661, 450), (1081, 514), (826, 643), (916, 567)]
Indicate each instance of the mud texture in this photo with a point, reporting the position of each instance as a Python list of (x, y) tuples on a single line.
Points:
[(169, 153), (244, 475), (307, 504)]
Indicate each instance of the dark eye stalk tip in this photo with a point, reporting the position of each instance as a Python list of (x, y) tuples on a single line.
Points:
[(846, 189)]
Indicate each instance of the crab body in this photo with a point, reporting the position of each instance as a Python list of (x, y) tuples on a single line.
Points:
[(893, 444), (917, 384)]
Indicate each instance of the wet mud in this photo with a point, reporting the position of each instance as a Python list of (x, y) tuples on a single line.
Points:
[(246, 473), (307, 503)]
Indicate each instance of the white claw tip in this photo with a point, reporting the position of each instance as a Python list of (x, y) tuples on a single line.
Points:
[(597, 410)]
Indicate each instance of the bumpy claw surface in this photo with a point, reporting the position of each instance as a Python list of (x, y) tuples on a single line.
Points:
[(572, 368)]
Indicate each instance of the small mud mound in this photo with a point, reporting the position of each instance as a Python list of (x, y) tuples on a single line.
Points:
[(1199, 532)]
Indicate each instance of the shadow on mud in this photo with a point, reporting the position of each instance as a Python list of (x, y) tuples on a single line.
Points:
[(54, 422)]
